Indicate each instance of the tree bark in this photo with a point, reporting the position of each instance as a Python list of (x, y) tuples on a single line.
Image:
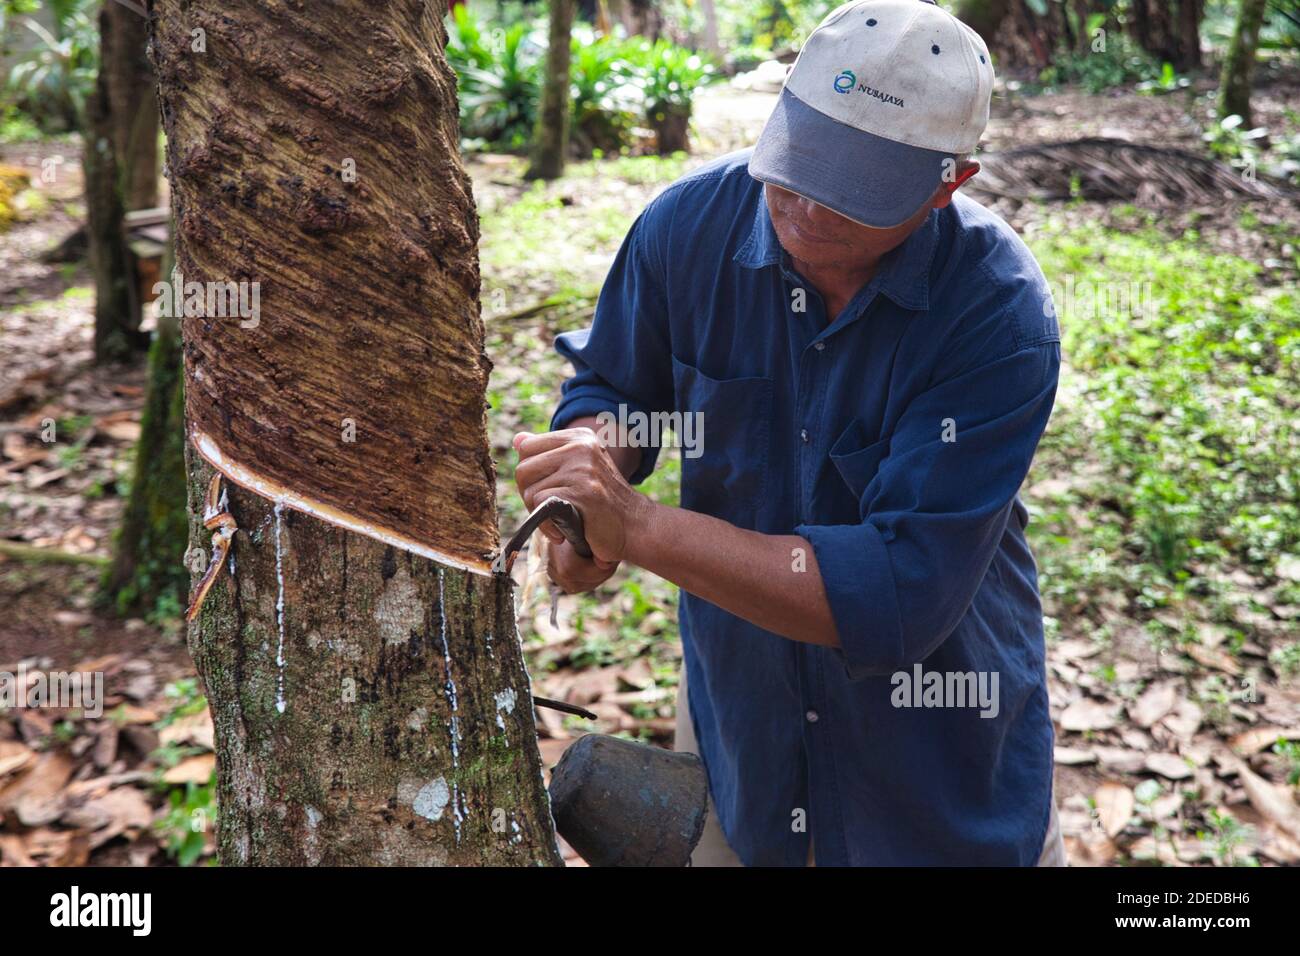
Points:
[(1239, 65), (371, 704), (551, 142), (1169, 30), (709, 41), (149, 563), (120, 159)]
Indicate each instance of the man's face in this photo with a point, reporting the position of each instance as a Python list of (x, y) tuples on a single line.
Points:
[(814, 235)]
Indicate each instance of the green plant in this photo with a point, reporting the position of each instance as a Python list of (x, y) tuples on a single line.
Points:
[(1228, 835), (499, 78), (52, 81), (16, 126), (184, 825), (606, 101), (669, 75), (1289, 750), (1286, 659), (1121, 63)]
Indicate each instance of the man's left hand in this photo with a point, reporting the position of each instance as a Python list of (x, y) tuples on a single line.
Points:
[(573, 464)]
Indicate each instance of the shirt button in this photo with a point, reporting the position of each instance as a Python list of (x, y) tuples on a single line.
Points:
[(811, 716), (819, 346), (803, 435)]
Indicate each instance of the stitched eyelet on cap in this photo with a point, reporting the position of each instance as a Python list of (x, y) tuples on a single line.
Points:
[(935, 49), (871, 22)]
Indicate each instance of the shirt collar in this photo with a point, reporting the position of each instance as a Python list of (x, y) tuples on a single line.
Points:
[(904, 274)]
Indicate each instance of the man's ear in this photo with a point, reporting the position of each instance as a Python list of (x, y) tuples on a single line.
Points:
[(943, 196)]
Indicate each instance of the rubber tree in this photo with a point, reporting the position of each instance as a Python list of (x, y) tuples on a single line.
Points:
[(149, 550), (361, 663), (1239, 64), (120, 162), (551, 141)]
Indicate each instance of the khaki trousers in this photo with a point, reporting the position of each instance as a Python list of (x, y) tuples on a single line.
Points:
[(713, 849)]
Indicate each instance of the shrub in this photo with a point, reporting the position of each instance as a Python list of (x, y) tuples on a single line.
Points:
[(499, 78), (52, 81)]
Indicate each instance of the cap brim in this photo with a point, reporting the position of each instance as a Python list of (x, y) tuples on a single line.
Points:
[(867, 178)]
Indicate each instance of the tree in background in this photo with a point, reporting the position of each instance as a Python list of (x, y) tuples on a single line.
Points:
[(1239, 65), (551, 142), (370, 704), (148, 571), (120, 159), (1170, 30)]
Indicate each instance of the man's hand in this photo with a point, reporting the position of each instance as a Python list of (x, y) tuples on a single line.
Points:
[(573, 464)]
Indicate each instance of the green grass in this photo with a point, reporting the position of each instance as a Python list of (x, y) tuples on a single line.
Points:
[(1173, 427)]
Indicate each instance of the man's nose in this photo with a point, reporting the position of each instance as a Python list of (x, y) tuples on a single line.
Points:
[(816, 214)]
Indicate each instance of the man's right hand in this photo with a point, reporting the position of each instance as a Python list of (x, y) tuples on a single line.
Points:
[(574, 573)]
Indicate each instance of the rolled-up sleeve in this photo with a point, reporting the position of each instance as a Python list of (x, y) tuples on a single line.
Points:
[(901, 580), (625, 358)]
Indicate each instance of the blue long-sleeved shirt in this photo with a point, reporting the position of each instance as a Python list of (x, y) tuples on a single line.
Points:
[(894, 437)]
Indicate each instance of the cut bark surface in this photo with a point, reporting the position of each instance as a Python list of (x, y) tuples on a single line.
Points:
[(353, 386)]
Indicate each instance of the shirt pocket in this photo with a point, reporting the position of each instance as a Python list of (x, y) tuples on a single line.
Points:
[(725, 474), (857, 457)]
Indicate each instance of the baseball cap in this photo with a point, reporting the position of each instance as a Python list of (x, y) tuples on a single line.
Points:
[(883, 97)]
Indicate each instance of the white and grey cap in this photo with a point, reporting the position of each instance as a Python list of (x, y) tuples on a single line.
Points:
[(884, 95)]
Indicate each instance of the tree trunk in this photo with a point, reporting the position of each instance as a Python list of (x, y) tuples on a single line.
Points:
[(709, 41), (1239, 65), (371, 704), (1169, 30), (149, 566), (119, 158), (551, 141)]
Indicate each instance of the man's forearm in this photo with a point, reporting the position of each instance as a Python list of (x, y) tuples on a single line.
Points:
[(772, 581)]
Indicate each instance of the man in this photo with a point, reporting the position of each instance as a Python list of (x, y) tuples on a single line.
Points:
[(873, 358)]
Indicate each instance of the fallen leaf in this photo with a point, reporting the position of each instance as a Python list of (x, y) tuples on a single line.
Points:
[(1253, 741), (124, 431), (192, 770), (1269, 799), (1156, 701), (1115, 803), (35, 796), (193, 729), (1074, 756), (1185, 720), (72, 618), (105, 745), (1170, 766), (108, 816), (1088, 714), (1120, 759), (14, 756), (1214, 658)]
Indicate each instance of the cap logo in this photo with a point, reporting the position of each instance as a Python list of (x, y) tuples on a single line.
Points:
[(844, 82)]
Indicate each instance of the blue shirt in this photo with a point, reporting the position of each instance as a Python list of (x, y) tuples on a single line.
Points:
[(894, 437)]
